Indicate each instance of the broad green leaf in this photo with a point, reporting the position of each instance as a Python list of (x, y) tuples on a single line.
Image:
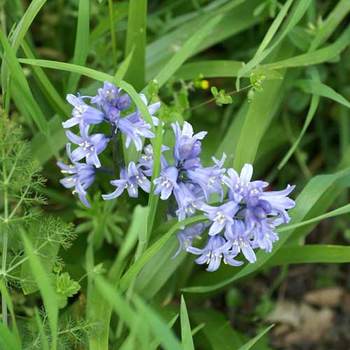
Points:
[(82, 39), (186, 51), (237, 16), (46, 289), (186, 334), (136, 42)]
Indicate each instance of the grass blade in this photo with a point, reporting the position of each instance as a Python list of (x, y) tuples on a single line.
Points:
[(82, 38), (253, 341), (311, 254), (186, 333), (136, 41), (46, 289)]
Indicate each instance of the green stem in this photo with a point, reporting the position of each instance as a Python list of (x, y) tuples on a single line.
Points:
[(113, 38)]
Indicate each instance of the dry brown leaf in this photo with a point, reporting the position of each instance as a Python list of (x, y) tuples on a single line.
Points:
[(331, 297)]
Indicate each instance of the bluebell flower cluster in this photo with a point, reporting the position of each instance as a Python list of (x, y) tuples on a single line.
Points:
[(109, 106), (246, 213)]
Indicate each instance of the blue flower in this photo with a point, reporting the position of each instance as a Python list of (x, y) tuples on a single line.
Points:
[(212, 254), (134, 128), (240, 186), (111, 96), (221, 217), (166, 182), (241, 240), (188, 234), (90, 146), (209, 178), (130, 179), (82, 114), (187, 145), (80, 176), (188, 200)]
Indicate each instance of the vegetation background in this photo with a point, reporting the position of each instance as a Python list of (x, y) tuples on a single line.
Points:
[(269, 81)]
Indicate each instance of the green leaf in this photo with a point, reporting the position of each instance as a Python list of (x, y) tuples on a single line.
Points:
[(24, 95), (311, 254), (46, 289), (310, 114), (253, 341), (329, 25), (8, 340), (186, 334), (186, 51), (315, 57), (158, 326), (82, 38), (66, 287), (134, 269), (136, 41), (317, 88)]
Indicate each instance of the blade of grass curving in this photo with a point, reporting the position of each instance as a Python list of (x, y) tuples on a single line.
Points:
[(315, 100), (186, 333), (316, 57), (48, 89), (136, 41), (82, 39), (186, 51), (46, 289), (8, 340), (329, 25), (311, 254), (94, 74), (310, 198), (323, 90), (253, 341), (158, 326), (22, 28), (134, 269)]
